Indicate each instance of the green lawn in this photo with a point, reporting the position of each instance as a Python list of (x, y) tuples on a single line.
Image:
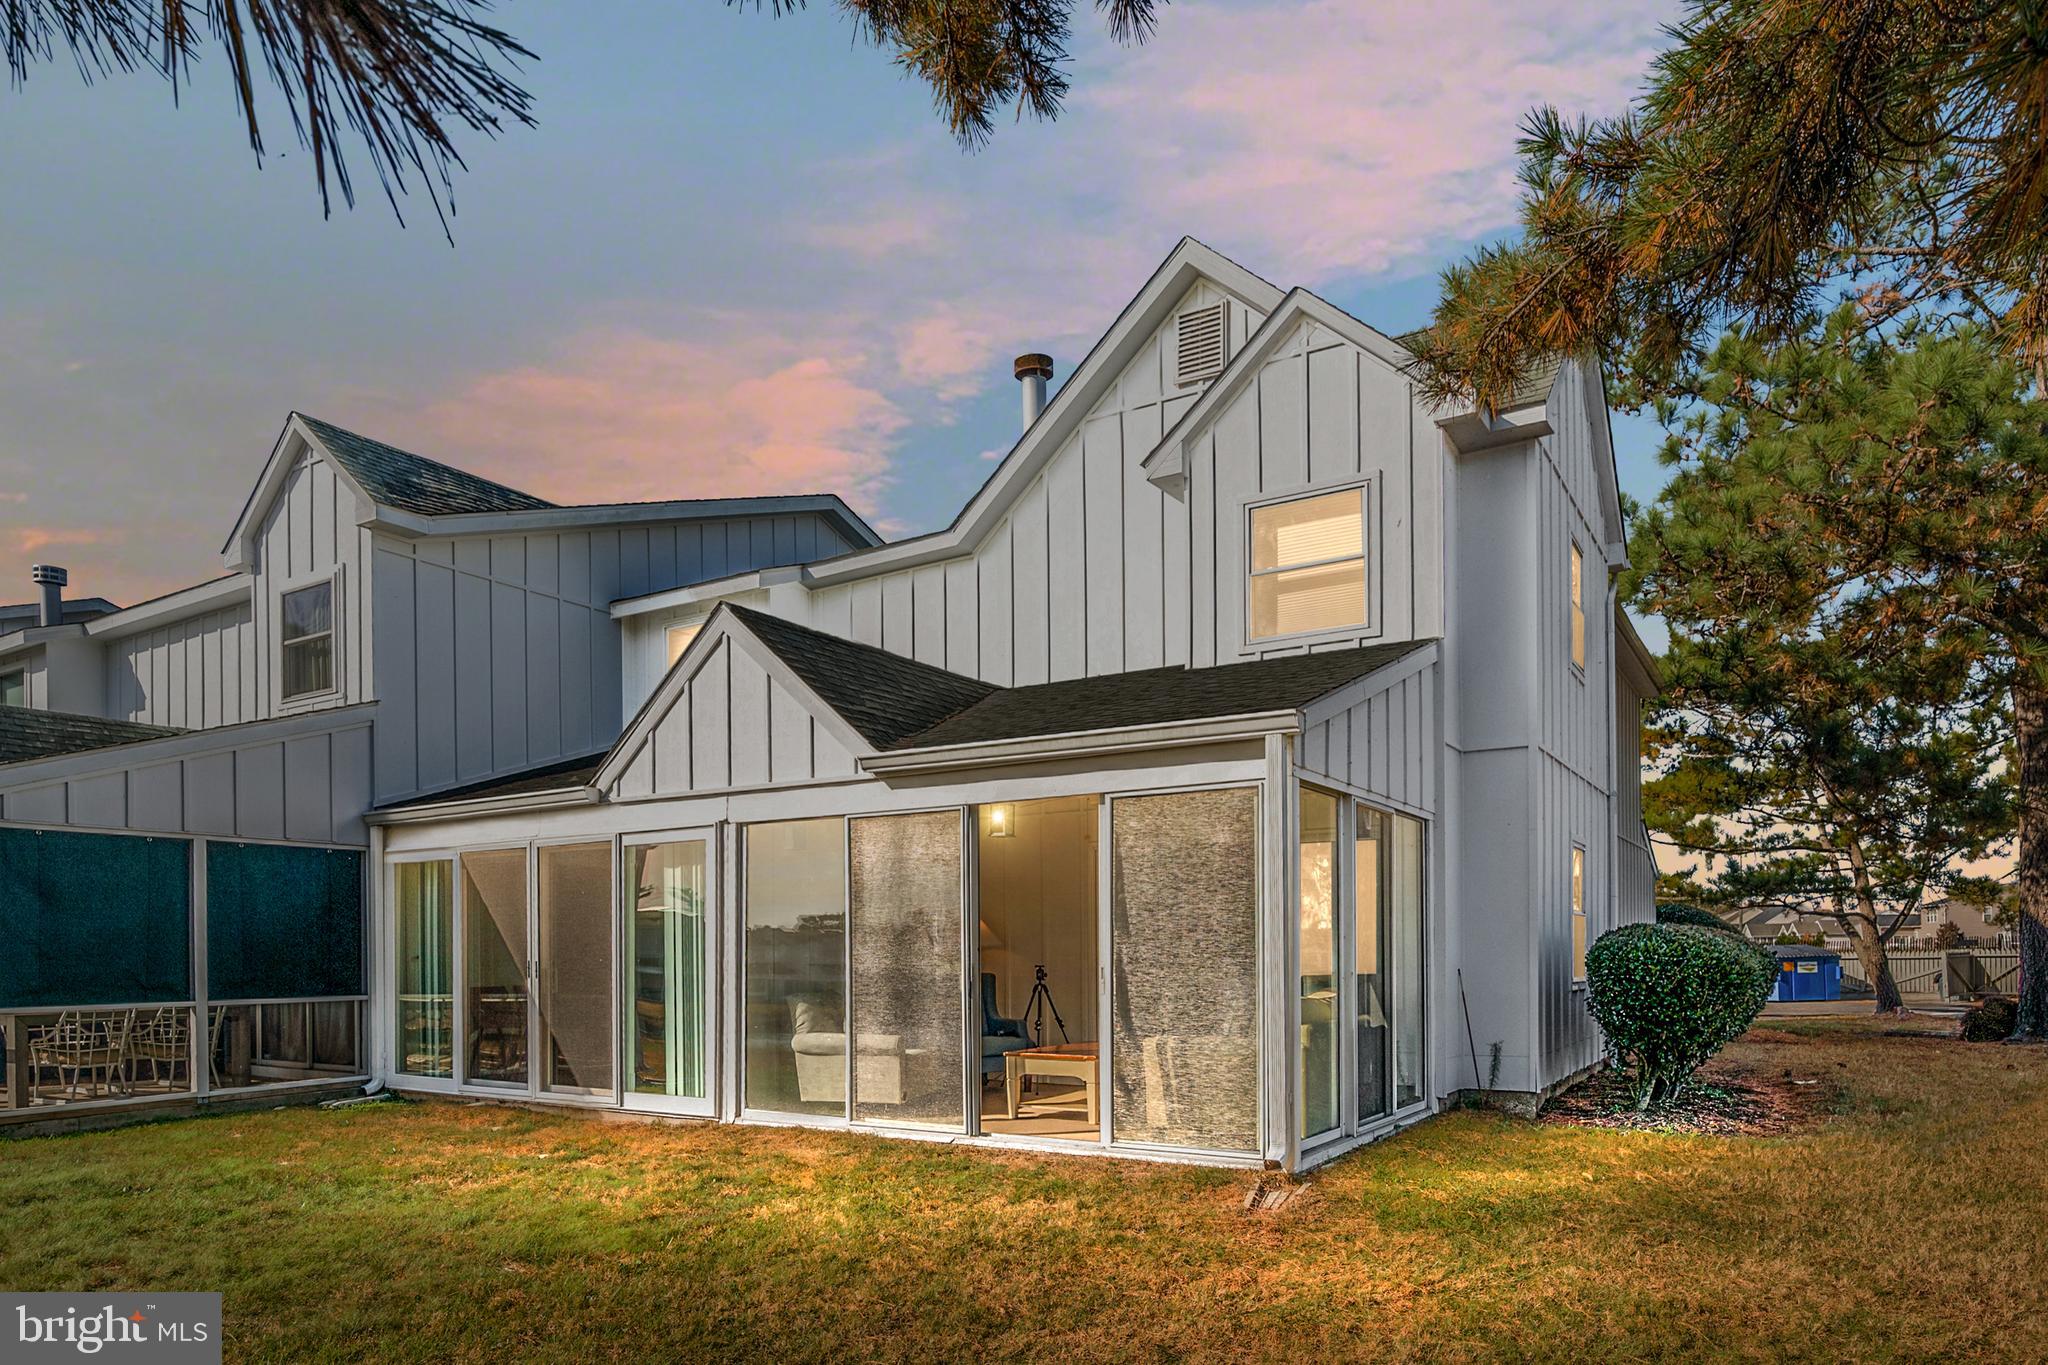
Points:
[(1907, 1224)]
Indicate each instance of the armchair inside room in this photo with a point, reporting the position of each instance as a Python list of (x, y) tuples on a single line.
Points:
[(998, 1035)]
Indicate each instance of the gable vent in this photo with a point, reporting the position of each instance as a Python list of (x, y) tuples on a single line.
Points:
[(1200, 333)]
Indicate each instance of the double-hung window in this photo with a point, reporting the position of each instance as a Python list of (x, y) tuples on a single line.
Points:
[(306, 637), (1308, 565)]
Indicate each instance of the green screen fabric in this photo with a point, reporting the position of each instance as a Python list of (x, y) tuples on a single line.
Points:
[(93, 919), (283, 923)]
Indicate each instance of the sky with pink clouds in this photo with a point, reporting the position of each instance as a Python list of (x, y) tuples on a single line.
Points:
[(738, 255)]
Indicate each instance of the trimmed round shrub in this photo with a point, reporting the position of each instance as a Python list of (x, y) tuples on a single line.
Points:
[(1992, 1021), (1673, 913), (1669, 996)]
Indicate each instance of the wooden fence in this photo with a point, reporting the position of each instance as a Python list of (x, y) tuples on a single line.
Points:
[(1938, 974)]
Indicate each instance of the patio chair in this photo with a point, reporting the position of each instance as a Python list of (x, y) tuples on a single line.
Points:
[(998, 1034), (164, 1040), (86, 1046)]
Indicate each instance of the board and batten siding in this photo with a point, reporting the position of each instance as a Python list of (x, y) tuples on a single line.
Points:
[(497, 653), (1321, 414), (197, 673), (298, 778), (731, 726), (310, 533), (1576, 727), (1383, 747), (1086, 574)]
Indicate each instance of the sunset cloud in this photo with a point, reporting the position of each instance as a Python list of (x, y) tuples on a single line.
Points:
[(629, 415)]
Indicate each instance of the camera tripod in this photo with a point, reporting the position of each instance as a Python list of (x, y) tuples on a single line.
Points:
[(1041, 1000)]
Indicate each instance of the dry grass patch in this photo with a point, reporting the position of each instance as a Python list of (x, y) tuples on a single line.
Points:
[(1895, 1221)]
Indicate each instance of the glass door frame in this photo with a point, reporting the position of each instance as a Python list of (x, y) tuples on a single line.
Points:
[(711, 993), (390, 1003)]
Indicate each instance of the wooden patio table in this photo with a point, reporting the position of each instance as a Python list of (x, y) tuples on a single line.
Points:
[(1073, 1061)]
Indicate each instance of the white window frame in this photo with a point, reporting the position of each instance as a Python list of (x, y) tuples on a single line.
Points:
[(1368, 502), (19, 676), (335, 684), (1575, 896), (1575, 621)]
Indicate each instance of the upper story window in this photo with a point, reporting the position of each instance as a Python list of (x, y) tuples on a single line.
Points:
[(14, 688), (1578, 913), (306, 634), (679, 638), (1578, 587), (1308, 565)]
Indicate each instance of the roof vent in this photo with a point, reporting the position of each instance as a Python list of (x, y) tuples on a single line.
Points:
[(50, 580), (1200, 334)]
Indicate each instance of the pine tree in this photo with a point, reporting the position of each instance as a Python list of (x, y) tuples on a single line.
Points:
[(1786, 152)]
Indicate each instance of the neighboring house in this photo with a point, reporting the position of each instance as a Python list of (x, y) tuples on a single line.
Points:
[(1285, 730), (1968, 918)]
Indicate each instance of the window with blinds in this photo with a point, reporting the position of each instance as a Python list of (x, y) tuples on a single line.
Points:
[(1308, 565)]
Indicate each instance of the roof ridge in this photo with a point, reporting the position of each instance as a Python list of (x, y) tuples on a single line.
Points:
[(337, 439)]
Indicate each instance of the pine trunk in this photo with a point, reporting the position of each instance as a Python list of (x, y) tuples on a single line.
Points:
[(1877, 969), (2030, 731)]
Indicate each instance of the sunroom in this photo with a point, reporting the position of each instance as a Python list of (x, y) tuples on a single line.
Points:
[(820, 884)]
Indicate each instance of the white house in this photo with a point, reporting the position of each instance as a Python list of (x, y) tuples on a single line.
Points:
[(1284, 729)]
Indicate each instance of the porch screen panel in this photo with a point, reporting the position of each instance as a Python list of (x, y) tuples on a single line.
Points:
[(283, 923), (905, 946), (494, 965), (1184, 961), (93, 919), (576, 967)]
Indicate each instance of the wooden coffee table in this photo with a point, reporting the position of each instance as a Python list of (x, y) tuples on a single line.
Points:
[(1072, 1061)]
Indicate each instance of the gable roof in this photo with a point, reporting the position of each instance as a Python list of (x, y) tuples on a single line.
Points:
[(413, 483), (1187, 264), (26, 733), (885, 697), (897, 704)]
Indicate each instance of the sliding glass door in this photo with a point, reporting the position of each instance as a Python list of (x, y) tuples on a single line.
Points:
[(1368, 939), (495, 966), (906, 928), (575, 942), (795, 967), (1184, 970), (667, 936), (423, 897)]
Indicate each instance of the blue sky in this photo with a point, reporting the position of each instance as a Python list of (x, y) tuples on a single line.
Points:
[(737, 255)]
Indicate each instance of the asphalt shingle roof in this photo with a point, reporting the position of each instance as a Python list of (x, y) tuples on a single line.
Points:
[(885, 697), (26, 733), (548, 777), (412, 483), (897, 703)]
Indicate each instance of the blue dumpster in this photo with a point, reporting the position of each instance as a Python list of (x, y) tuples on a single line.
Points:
[(1807, 973)]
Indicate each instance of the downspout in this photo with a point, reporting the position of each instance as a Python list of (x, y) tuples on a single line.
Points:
[(1613, 756)]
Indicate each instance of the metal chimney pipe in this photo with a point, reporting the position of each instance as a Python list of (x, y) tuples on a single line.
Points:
[(1032, 371), (51, 580)]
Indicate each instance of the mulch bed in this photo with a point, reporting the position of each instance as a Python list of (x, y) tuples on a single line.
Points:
[(1724, 1100)]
